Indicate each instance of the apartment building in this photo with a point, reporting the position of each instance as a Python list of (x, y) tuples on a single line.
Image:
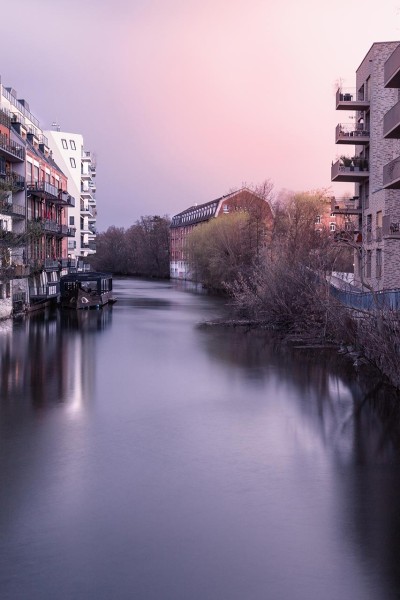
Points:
[(34, 202), (184, 222), (372, 132), (80, 166)]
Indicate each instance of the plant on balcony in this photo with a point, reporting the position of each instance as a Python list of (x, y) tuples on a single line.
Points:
[(345, 161)]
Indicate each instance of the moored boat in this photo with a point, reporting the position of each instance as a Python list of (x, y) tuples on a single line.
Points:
[(86, 290)]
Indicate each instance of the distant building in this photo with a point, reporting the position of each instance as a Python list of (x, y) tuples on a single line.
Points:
[(184, 222), (80, 167), (373, 165)]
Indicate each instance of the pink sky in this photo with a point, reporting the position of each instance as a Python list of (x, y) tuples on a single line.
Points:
[(182, 100)]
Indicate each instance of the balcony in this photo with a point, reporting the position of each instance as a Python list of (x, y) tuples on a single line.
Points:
[(67, 198), (347, 133), (12, 182), (351, 100), (71, 231), (51, 264), (5, 118), (391, 77), (346, 206), (10, 150), (16, 211), (391, 123), (391, 175), (44, 292), (390, 229), (350, 169), (44, 190), (85, 175), (9, 238)]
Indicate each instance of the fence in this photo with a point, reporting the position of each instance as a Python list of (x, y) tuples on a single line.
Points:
[(366, 300)]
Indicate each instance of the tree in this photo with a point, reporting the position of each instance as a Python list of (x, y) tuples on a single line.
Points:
[(221, 250), (143, 249)]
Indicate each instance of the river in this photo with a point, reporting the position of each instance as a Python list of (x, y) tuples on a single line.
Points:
[(144, 457)]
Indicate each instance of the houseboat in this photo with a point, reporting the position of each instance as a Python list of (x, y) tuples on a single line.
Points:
[(86, 290)]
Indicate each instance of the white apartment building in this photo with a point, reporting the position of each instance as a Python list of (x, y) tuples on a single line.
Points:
[(79, 166)]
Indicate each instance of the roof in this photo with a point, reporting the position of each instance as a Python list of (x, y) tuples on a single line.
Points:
[(202, 212), (86, 276)]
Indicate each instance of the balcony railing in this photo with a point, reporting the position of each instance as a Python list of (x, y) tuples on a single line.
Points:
[(391, 122), (391, 75), (51, 290), (351, 99), (346, 206), (43, 189), (67, 198), (12, 181), (7, 94), (15, 210), (9, 238), (5, 118), (391, 174), (348, 133), (390, 229), (350, 169), (11, 150)]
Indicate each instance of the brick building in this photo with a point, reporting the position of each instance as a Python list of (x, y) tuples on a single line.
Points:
[(374, 165), (184, 222)]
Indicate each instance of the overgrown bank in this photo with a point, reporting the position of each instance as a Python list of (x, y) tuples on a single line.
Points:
[(277, 279)]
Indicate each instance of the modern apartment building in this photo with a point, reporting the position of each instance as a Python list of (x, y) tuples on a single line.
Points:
[(184, 222), (44, 228), (80, 167), (373, 165)]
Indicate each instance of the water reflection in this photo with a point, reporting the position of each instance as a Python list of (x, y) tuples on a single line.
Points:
[(355, 415), (47, 358), (144, 457)]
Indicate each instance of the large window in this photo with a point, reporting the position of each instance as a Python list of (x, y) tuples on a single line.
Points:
[(72, 144), (64, 144)]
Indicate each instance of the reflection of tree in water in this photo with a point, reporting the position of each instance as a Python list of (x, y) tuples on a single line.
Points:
[(358, 418), (354, 411)]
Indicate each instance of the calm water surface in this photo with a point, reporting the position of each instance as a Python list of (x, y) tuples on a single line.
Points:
[(144, 457)]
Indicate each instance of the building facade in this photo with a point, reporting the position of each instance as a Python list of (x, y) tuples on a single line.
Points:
[(184, 222), (370, 165), (35, 202), (80, 167)]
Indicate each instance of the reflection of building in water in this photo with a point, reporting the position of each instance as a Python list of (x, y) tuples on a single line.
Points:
[(50, 358)]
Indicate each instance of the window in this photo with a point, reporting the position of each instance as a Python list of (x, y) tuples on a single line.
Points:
[(64, 144), (73, 163), (318, 219), (72, 144), (379, 226), (332, 226), (368, 264), (379, 263), (72, 220)]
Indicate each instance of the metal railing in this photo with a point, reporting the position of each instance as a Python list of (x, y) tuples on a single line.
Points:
[(19, 106), (43, 187), (349, 130), (13, 181), (367, 300), (51, 290), (391, 172), (350, 95), (12, 147), (391, 120)]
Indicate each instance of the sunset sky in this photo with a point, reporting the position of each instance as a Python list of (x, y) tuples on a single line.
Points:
[(182, 100)]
